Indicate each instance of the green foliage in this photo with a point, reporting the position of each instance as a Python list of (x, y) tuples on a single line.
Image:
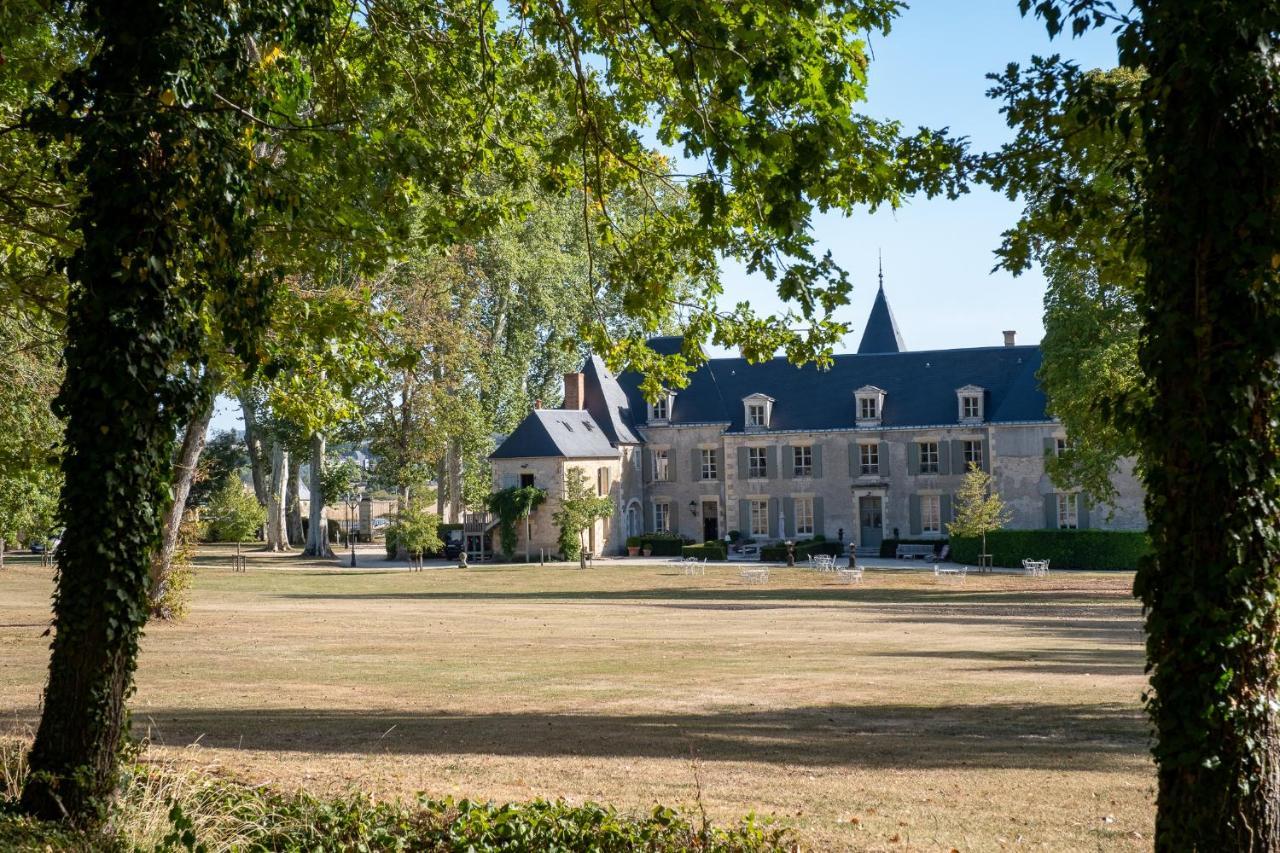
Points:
[(510, 506), (233, 514), (580, 508), (664, 544), (224, 454), (30, 434), (889, 547), (978, 507), (706, 550), (1065, 549), (777, 552), (338, 478), (174, 596), (416, 530)]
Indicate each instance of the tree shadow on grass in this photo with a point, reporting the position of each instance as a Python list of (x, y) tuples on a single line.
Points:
[(1076, 661), (901, 737)]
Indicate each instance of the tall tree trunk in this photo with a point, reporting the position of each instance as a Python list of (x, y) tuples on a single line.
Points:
[(1211, 592), (258, 461), (184, 473), (277, 532), (318, 526), (440, 487), (455, 481), (293, 502)]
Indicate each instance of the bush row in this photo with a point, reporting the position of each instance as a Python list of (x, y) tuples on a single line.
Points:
[(706, 551), (661, 544), (1064, 549), (777, 552), (889, 547)]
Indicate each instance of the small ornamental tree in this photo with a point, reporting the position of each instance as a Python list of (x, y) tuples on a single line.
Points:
[(233, 512), (579, 509), (417, 532), (979, 509), (510, 505)]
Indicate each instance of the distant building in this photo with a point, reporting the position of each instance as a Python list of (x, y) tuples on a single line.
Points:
[(875, 446)]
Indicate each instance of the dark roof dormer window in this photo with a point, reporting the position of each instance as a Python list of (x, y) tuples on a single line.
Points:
[(660, 409), (757, 413), (868, 404), (970, 402)]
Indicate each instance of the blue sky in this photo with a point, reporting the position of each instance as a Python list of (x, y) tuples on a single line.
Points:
[(930, 70)]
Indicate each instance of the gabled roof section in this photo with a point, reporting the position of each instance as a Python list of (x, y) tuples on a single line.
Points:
[(567, 433), (881, 334), (608, 403)]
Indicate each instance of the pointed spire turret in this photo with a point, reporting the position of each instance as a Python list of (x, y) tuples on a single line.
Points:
[(881, 333)]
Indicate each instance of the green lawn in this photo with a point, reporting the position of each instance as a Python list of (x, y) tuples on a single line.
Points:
[(904, 712)]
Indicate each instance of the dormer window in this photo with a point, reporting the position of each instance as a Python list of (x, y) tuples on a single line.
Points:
[(868, 405), (660, 409), (970, 401), (757, 411)]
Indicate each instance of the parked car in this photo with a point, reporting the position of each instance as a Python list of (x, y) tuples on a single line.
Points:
[(49, 544), (452, 550)]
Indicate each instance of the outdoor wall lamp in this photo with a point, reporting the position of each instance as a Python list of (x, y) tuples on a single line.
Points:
[(693, 507)]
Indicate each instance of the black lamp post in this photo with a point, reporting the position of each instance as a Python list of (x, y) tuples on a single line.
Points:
[(352, 500)]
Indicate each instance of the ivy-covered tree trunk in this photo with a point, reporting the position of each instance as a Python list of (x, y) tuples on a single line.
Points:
[(1210, 340), (184, 473)]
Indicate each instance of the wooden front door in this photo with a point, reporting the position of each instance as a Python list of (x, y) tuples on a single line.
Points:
[(710, 521), (871, 519)]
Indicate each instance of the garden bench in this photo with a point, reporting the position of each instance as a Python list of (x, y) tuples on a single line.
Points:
[(914, 552)]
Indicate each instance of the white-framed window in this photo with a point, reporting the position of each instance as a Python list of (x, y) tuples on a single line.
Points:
[(928, 457), (972, 451), (868, 405), (1068, 512), (868, 408), (804, 516), (756, 416), (970, 407), (661, 408), (757, 463), (759, 517), (930, 514), (869, 458), (661, 465), (803, 455), (709, 471), (1060, 446), (661, 517)]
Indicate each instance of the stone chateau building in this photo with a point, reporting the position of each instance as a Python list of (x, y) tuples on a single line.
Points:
[(872, 448)]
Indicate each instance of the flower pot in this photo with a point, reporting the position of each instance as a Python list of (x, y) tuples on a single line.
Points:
[(648, 552), (633, 550)]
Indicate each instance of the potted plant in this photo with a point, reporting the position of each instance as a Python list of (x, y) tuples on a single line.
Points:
[(646, 547), (633, 546)]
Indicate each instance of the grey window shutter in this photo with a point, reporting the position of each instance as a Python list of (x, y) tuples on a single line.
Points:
[(913, 458), (817, 461), (771, 461), (959, 465), (882, 461), (744, 518), (944, 456), (986, 456), (742, 463), (1050, 445), (773, 518), (914, 511), (1051, 512), (695, 464), (944, 512), (509, 481), (646, 462), (788, 462), (1082, 511), (789, 513), (818, 518), (716, 456), (855, 465), (673, 465)]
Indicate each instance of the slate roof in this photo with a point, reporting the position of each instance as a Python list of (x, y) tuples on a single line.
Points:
[(608, 403), (881, 333), (920, 388), (573, 434)]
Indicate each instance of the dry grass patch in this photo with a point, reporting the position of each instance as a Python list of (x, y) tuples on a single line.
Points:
[(1003, 712)]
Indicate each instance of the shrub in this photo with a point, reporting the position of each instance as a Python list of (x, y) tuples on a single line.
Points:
[(1065, 549), (233, 513), (707, 550), (889, 547), (664, 544)]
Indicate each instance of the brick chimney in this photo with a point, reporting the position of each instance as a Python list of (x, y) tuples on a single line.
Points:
[(1008, 337), (574, 388)]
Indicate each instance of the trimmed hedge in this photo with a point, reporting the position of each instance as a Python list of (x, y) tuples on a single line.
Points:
[(664, 544), (1064, 549), (707, 550), (889, 547), (777, 553)]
